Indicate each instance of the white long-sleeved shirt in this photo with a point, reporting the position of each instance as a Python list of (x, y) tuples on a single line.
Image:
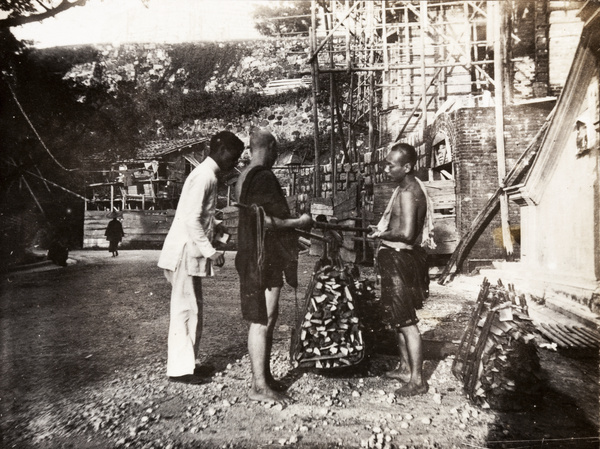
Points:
[(191, 233)]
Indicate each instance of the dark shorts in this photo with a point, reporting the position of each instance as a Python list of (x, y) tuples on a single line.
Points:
[(252, 292), (404, 284), (273, 276)]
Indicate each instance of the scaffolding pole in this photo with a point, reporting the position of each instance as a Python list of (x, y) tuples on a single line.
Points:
[(499, 56)]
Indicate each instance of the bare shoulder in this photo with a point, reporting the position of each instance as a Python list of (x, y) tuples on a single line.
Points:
[(416, 190)]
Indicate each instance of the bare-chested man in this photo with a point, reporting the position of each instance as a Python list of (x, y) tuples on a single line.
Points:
[(403, 265), (267, 249)]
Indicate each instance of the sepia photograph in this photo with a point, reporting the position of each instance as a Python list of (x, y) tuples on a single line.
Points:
[(357, 224)]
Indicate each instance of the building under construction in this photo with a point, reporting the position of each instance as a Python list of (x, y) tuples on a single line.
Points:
[(473, 85), (468, 83)]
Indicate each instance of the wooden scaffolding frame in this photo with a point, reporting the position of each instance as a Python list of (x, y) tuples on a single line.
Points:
[(401, 57)]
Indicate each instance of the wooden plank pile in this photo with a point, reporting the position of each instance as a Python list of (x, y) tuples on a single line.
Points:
[(328, 334), (570, 337), (497, 359)]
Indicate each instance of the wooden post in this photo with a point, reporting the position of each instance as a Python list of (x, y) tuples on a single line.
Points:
[(332, 99), (112, 197), (499, 60), (423, 79), (371, 43), (314, 69)]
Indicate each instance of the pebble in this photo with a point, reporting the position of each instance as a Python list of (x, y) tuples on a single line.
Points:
[(355, 394), (404, 425), (426, 421), (408, 417), (437, 398), (293, 439)]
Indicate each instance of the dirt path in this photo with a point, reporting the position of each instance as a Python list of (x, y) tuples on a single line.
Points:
[(83, 362)]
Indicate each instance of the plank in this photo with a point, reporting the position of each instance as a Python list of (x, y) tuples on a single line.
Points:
[(553, 336), (493, 204)]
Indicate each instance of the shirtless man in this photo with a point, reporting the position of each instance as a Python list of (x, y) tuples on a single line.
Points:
[(403, 265), (262, 262)]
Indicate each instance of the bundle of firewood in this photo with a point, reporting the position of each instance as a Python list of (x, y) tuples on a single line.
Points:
[(328, 334), (497, 360)]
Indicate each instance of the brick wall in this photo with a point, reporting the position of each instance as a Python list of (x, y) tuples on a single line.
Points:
[(476, 171)]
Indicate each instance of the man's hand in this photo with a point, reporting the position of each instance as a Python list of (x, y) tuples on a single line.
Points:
[(219, 228), (218, 259), (305, 221), (375, 233)]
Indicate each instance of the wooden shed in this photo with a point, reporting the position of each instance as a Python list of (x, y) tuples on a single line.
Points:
[(144, 191)]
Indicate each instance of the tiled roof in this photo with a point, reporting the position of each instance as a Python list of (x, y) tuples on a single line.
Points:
[(159, 148)]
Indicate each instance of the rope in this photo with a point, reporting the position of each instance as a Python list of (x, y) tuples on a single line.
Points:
[(34, 130), (259, 213)]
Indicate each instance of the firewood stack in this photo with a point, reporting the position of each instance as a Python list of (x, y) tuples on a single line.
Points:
[(497, 360), (329, 333)]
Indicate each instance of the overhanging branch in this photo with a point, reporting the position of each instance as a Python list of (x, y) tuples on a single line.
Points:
[(22, 20)]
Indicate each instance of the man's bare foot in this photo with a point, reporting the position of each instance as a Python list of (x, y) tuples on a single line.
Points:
[(268, 395), (399, 374), (412, 389)]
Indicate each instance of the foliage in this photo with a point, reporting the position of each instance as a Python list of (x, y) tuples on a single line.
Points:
[(21, 12), (280, 17), (201, 62)]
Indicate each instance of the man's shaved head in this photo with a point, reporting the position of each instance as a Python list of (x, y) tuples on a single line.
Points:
[(263, 147), (261, 138), (407, 152)]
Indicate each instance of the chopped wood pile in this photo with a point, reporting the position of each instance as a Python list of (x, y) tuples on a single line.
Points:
[(329, 333), (497, 359)]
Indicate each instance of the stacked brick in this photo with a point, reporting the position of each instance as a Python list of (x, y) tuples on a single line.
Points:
[(346, 178)]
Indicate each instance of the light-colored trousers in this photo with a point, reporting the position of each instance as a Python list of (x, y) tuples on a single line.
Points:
[(185, 327)]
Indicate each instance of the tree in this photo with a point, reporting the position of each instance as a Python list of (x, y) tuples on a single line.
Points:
[(22, 12), (278, 18)]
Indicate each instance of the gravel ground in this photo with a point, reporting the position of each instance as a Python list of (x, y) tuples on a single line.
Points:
[(83, 366)]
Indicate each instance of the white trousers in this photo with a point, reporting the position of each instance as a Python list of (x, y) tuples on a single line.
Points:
[(185, 327)]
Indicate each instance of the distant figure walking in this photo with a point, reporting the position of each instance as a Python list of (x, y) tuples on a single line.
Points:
[(114, 234)]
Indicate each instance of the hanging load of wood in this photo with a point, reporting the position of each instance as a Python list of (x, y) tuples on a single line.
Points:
[(497, 359), (329, 333)]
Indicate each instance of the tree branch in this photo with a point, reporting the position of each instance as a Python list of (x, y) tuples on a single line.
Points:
[(42, 5), (22, 20)]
